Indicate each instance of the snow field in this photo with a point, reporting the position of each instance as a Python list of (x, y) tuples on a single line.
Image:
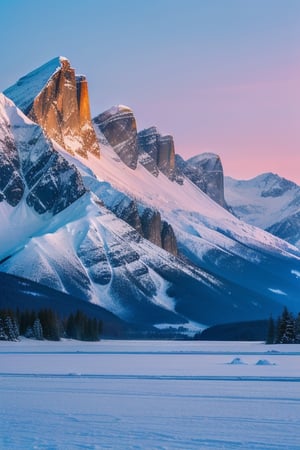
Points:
[(149, 395)]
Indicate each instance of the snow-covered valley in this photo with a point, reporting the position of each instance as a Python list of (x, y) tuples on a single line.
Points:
[(149, 395)]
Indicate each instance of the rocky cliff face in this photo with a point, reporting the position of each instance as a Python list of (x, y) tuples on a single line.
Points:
[(148, 142), (119, 128), (55, 98), (206, 172), (161, 151), (147, 222), (166, 155), (36, 182), (148, 162), (30, 168), (168, 239)]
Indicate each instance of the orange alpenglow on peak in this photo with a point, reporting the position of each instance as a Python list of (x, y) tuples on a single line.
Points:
[(58, 100)]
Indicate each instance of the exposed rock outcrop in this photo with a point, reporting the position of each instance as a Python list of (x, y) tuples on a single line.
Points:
[(148, 162), (118, 125), (148, 142), (160, 149), (146, 221), (55, 98), (168, 239), (128, 211), (206, 172), (30, 168), (152, 226), (149, 224), (166, 155)]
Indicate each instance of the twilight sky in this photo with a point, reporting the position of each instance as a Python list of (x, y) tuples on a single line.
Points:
[(219, 75)]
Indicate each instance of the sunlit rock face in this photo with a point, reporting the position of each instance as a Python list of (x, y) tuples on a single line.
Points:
[(160, 149), (90, 142), (55, 98), (206, 172), (118, 125)]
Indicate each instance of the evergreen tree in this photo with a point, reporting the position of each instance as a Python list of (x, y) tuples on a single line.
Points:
[(271, 331), (3, 335), (16, 327), (281, 325), (29, 333), (95, 328), (70, 327), (79, 325), (50, 324), (297, 329), (10, 329), (82, 327), (37, 330), (24, 322), (100, 327), (289, 334), (46, 324)]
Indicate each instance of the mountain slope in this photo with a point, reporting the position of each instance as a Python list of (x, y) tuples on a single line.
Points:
[(207, 235), (23, 294), (71, 237), (75, 245), (36, 182), (267, 201)]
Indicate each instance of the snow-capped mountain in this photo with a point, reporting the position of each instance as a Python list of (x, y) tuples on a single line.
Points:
[(269, 202), (70, 242), (225, 270)]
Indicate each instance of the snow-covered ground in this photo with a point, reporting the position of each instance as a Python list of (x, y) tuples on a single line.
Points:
[(149, 395)]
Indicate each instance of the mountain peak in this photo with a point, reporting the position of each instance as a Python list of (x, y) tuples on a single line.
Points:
[(204, 158), (24, 91), (55, 98), (268, 201), (206, 171), (160, 148)]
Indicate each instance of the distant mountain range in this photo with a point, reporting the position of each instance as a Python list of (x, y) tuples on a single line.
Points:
[(269, 202), (112, 216)]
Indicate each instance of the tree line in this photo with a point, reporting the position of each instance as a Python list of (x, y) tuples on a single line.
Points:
[(285, 330), (46, 324)]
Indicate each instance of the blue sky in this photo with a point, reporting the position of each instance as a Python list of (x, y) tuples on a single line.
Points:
[(220, 75)]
